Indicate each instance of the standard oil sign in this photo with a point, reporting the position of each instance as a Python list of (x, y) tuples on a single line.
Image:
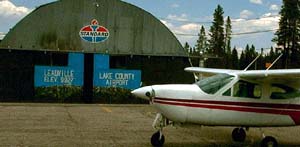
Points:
[(94, 33)]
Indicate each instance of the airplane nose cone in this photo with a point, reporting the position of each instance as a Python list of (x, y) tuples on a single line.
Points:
[(144, 92)]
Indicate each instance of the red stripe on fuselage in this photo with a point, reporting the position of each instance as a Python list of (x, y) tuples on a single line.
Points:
[(279, 109)]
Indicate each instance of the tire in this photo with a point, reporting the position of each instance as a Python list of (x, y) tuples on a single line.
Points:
[(155, 141), (239, 135), (269, 141)]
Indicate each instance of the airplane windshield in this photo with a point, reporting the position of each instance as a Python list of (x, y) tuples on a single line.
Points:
[(212, 84)]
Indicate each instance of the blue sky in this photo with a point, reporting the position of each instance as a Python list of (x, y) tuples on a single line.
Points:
[(183, 17)]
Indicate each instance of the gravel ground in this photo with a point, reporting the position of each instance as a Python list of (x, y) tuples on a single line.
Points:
[(113, 125)]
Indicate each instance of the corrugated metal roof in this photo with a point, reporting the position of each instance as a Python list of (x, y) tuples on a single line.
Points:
[(57, 25)]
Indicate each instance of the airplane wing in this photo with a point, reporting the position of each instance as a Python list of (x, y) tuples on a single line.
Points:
[(283, 73), (200, 73), (281, 76), (209, 70), (279, 73)]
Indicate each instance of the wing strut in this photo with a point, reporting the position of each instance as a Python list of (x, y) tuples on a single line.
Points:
[(274, 61), (191, 63), (251, 63)]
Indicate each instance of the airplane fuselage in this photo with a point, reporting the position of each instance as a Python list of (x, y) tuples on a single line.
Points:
[(243, 99), (189, 104)]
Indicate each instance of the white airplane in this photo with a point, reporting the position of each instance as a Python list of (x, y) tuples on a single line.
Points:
[(243, 99)]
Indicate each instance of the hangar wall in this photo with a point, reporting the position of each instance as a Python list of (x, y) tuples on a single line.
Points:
[(17, 72)]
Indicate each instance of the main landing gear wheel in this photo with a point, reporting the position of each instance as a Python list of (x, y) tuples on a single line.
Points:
[(239, 135), (269, 141), (157, 139)]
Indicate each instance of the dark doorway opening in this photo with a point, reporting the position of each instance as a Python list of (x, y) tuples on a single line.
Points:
[(88, 78)]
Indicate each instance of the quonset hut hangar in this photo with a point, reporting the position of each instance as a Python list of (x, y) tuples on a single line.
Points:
[(58, 38)]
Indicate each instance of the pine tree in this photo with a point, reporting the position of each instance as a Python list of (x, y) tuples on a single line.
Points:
[(227, 42), (228, 33), (234, 59), (288, 34), (201, 44), (187, 47), (253, 55), (242, 61), (216, 41), (194, 51), (253, 52), (228, 58), (261, 60), (272, 55), (247, 55)]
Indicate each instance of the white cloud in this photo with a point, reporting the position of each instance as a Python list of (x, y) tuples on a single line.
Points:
[(187, 28), (274, 7), (261, 24), (187, 32), (245, 14), (259, 2), (267, 21), (2, 35), (175, 6), (10, 14), (182, 17), (191, 27), (182, 29), (267, 15), (261, 31), (8, 9)]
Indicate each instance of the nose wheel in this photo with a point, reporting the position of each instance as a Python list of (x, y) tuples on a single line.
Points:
[(269, 141), (158, 139), (239, 135)]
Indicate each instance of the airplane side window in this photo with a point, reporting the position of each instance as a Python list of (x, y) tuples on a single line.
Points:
[(227, 93), (247, 90), (213, 84), (257, 91), (279, 91)]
